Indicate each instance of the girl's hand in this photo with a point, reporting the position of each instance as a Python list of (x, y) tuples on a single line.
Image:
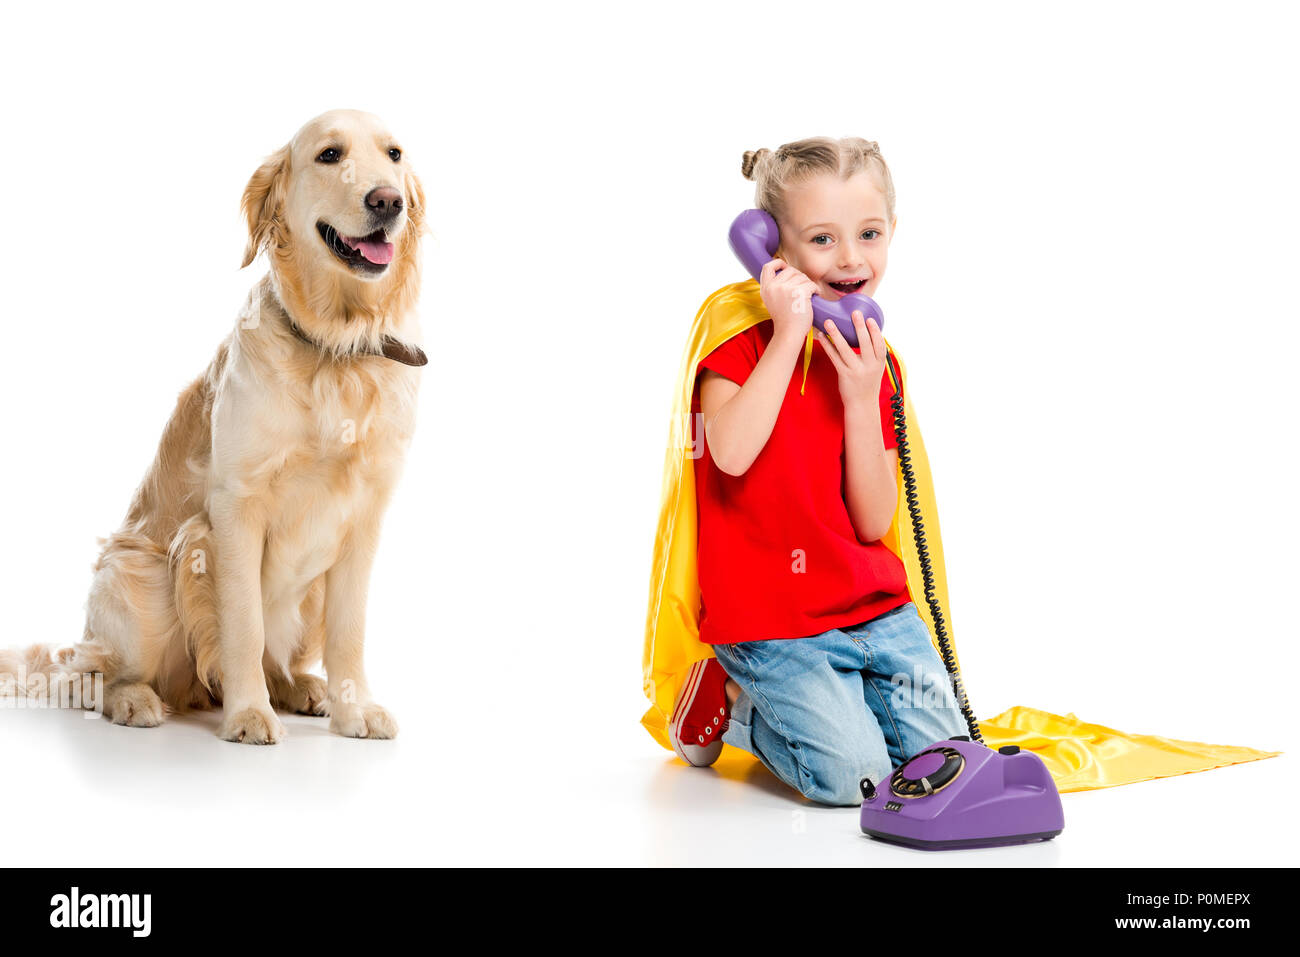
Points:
[(786, 295), (859, 374)]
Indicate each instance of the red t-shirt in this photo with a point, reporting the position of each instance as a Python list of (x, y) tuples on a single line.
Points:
[(778, 554)]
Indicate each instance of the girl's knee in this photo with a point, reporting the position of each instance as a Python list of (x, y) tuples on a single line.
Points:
[(839, 785)]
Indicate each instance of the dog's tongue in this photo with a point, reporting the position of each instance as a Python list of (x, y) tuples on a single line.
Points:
[(376, 252)]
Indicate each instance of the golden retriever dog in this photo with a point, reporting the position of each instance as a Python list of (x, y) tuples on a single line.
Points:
[(246, 552)]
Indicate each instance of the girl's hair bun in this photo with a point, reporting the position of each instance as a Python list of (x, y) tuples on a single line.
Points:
[(792, 163), (750, 160)]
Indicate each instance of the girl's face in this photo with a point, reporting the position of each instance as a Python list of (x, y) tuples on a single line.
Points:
[(835, 233)]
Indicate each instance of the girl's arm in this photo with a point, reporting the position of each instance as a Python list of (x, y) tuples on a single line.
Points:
[(870, 473), (738, 420), (870, 470)]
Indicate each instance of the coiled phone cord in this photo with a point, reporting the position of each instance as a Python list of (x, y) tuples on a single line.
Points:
[(923, 553)]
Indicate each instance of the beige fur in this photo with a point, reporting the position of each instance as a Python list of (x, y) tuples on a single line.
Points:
[(246, 552)]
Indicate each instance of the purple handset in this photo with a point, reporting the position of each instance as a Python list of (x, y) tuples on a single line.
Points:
[(754, 238)]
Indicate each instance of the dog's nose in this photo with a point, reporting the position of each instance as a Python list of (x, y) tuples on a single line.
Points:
[(384, 202)]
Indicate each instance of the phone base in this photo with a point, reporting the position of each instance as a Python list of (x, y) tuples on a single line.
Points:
[(960, 794), (959, 843)]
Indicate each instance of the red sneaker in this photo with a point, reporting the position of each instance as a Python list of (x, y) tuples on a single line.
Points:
[(700, 714)]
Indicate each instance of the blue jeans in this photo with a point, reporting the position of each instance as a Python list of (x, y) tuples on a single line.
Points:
[(823, 712)]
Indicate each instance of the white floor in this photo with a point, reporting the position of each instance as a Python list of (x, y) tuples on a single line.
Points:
[(84, 792)]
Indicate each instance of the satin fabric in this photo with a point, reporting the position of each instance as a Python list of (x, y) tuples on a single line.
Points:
[(1080, 756)]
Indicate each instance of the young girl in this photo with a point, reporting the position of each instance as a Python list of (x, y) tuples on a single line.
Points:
[(824, 669)]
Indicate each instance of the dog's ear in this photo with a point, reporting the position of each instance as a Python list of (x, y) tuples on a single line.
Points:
[(264, 200), (415, 202)]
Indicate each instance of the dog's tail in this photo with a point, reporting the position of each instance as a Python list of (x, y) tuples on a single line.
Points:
[(47, 676)]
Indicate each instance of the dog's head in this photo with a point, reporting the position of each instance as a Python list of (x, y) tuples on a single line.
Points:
[(340, 212)]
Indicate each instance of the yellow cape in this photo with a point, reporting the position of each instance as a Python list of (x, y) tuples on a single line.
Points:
[(1080, 756)]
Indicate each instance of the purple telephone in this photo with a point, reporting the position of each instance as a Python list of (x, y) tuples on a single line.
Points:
[(754, 238)]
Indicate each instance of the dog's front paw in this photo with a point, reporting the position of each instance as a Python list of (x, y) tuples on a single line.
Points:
[(134, 705), (252, 726), (362, 721)]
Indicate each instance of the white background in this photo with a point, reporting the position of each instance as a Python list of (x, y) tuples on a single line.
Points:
[(1092, 283)]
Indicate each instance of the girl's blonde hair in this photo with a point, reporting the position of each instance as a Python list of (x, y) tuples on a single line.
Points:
[(795, 162)]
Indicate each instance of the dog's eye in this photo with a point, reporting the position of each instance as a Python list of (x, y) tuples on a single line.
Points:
[(395, 154), (330, 155)]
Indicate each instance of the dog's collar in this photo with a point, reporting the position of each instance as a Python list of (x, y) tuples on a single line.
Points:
[(391, 348)]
